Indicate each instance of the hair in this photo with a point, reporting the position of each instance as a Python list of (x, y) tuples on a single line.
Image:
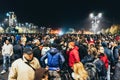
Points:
[(79, 70), (94, 51)]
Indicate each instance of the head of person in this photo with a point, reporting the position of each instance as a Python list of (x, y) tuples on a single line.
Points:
[(93, 52), (100, 50), (71, 45), (36, 42), (7, 41), (28, 53), (79, 70), (41, 74)]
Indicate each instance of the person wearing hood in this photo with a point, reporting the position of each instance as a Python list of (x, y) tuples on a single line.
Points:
[(54, 62), (73, 54)]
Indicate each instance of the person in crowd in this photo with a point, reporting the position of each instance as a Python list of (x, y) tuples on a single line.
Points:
[(41, 74), (17, 38), (23, 40), (117, 69), (90, 57), (18, 50), (12, 41), (7, 52), (36, 49), (24, 68), (45, 49), (102, 56), (79, 72), (54, 64), (73, 54), (110, 57)]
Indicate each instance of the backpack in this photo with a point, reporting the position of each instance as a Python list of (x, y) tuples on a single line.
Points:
[(92, 71)]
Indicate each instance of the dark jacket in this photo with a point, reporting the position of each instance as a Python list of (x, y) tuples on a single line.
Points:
[(102, 72), (18, 50), (37, 52), (109, 54), (115, 54), (82, 51), (88, 58), (117, 71)]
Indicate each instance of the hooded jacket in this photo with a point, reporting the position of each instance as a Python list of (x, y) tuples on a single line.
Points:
[(54, 59), (104, 58), (73, 56)]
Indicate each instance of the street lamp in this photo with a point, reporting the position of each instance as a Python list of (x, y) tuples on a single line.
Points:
[(95, 21)]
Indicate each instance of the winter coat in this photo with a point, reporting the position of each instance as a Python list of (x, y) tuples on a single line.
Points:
[(73, 56), (54, 59), (21, 71), (87, 58), (109, 54), (117, 71), (104, 58), (101, 69), (37, 52), (82, 51), (115, 54)]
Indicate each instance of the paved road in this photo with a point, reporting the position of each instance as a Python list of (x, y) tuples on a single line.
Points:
[(4, 76)]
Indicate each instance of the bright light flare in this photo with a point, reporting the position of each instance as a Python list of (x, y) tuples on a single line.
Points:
[(91, 15), (61, 33), (100, 15)]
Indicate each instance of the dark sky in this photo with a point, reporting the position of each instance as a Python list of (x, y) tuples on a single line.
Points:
[(61, 12)]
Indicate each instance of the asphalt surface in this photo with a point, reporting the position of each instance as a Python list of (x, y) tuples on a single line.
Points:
[(4, 76)]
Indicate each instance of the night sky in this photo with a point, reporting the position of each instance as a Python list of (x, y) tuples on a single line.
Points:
[(62, 12)]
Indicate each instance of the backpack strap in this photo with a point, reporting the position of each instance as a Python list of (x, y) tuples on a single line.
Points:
[(95, 60), (29, 65)]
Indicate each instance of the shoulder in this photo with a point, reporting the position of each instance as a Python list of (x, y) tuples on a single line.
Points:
[(17, 62), (118, 64), (35, 59)]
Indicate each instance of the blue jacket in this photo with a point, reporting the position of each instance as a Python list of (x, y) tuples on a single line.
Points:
[(54, 59)]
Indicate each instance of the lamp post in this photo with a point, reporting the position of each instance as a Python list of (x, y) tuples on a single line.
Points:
[(95, 21)]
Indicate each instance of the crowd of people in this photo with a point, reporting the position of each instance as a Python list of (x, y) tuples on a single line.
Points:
[(66, 57)]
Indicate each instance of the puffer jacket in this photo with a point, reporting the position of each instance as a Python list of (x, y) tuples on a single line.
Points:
[(104, 58), (54, 59), (73, 56)]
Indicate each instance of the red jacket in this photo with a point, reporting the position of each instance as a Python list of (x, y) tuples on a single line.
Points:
[(104, 58), (73, 56)]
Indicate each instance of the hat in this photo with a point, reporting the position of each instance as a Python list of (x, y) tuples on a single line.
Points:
[(27, 50), (72, 44)]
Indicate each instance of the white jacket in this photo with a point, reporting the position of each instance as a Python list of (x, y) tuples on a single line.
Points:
[(7, 49)]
